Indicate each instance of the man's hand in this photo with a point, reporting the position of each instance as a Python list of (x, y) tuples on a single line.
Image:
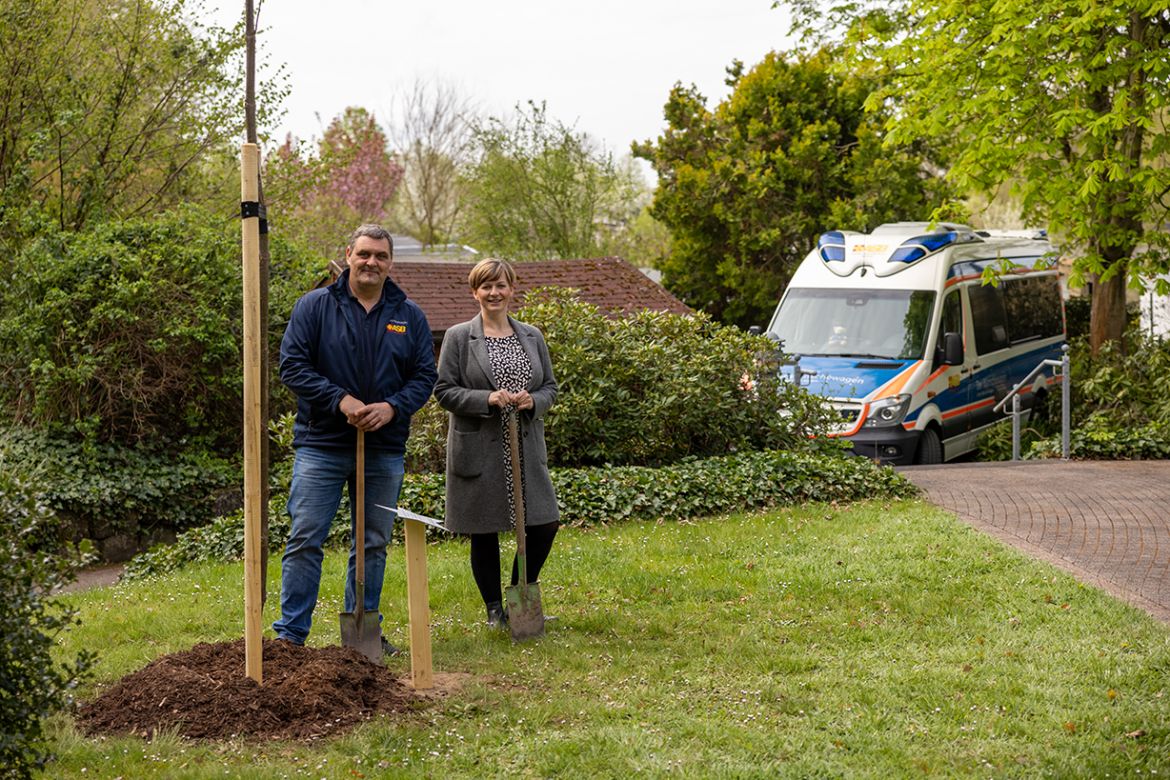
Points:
[(366, 417)]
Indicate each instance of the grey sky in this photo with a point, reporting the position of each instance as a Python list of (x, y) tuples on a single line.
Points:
[(604, 65)]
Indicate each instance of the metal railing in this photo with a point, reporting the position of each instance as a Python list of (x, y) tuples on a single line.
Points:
[(1061, 369)]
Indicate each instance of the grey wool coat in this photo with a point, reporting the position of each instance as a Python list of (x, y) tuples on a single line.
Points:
[(477, 500)]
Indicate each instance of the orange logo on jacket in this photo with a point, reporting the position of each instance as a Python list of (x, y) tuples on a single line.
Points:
[(396, 327)]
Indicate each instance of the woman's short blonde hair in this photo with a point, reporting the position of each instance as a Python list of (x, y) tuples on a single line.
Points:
[(489, 270)]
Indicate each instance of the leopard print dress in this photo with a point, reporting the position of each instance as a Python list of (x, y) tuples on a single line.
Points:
[(512, 371)]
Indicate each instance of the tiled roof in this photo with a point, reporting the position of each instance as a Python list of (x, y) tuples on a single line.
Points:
[(610, 283)]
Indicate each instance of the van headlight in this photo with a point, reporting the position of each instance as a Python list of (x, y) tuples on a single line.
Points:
[(888, 411)]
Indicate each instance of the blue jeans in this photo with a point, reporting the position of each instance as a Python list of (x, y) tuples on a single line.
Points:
[(313, 498)]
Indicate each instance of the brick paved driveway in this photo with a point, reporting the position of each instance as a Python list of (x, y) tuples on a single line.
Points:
[(1106, 522)]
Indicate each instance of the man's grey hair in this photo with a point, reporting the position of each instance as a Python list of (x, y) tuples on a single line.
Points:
[(376, 232)]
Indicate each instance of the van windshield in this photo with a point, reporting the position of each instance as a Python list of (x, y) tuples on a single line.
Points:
[(854, 323)]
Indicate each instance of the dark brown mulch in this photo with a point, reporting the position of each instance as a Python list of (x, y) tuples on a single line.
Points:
[(204, 694)]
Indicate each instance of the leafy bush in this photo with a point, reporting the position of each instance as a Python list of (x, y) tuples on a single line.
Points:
[(1127, 383), (591, 496), (1120, 406), (31, 685), (656, 387), (97, 490), (649, 389), (1099, 438), (426, 449), (131, 331)]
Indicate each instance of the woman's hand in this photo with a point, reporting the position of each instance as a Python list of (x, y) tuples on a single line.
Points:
[(503, 399)]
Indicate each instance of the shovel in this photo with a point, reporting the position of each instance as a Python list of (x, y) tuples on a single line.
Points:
[(360, 629), (525, 614)]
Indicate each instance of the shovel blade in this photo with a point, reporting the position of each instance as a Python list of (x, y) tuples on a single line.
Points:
[(363, 633), (525, 612)]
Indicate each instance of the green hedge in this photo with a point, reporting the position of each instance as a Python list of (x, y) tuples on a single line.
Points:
[(697, 488), (98, 490), (649, 389), (130, 331)]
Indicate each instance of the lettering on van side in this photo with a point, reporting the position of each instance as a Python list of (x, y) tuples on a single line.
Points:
[(845, 380)]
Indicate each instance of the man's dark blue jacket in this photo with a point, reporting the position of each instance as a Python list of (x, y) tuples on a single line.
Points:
[(331, 347)]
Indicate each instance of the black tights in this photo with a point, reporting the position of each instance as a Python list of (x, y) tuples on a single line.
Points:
[(485, 558)]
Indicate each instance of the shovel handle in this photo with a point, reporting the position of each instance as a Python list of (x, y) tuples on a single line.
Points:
[(518, 493), (359, 534)]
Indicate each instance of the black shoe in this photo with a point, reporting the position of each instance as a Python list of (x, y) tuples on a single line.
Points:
[(497, 616), (389, 649)]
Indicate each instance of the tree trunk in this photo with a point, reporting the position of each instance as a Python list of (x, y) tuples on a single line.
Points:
[(1107, 312)]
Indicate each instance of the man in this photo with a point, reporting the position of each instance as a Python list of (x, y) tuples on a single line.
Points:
[(358, 355)]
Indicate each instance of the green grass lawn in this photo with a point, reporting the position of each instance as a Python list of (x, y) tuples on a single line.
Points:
[(878, 640)]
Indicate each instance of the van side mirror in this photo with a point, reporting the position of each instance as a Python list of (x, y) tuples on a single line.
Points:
[(755, 330), (953, 349)]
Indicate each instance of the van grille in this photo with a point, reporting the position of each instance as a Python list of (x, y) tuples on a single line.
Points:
[(849, 414)]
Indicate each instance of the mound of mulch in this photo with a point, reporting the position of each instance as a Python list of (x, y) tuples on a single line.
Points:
[(204, 694)]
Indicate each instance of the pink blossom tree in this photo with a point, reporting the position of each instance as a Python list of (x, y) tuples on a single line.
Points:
[(352, 177)]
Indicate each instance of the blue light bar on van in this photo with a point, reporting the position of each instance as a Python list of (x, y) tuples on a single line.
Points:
[(832, 246), (914, 249)]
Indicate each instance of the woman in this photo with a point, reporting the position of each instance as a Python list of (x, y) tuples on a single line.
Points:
[(490, 368)]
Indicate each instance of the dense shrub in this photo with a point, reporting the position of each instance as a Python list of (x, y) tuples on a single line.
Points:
[(101, 490), (1120, 406), (650, 389), (130, 331), (1128, 384), (590, 496), (32, 685)]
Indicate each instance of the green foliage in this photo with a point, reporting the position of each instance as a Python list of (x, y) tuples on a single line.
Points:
[(32, 684), (733, 483), (1065, 101), (1128, 384), (130, 331), (649, 389), (538, 189), (426, 449), (113, 110), (746, 188), (593, 496), (643, 242), (115, 487), (654, 387), (1120, 406)]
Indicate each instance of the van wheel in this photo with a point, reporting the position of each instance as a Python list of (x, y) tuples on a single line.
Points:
[(930, 449)]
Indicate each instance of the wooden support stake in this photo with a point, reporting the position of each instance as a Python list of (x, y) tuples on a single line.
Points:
[(253, 418), (417, 598)]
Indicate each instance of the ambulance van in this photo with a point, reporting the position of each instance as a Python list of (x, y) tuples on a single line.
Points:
[(898, 330)]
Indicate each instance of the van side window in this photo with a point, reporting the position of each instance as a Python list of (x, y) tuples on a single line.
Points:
[(951, 321), (989, 318), (1032, 306)]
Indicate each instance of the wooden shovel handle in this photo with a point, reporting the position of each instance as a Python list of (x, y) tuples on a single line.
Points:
[(359, 534), (517, 491)]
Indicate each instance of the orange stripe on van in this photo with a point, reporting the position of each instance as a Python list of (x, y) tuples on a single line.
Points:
[(969, 408), (898, 382), (931, 378)]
